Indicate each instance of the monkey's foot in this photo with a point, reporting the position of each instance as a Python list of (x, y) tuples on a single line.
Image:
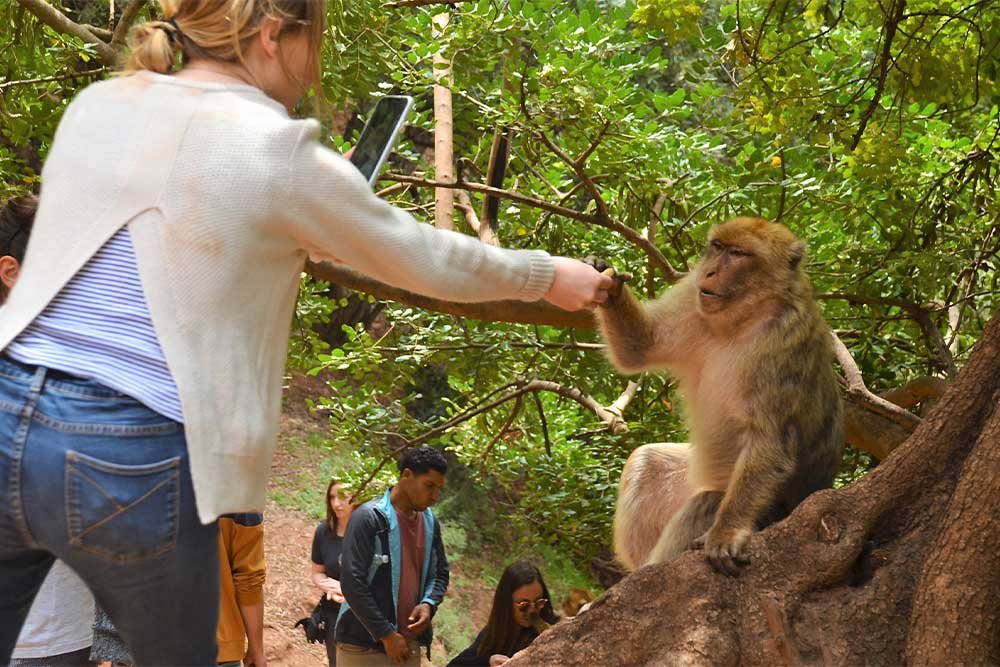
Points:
[(726, 550)]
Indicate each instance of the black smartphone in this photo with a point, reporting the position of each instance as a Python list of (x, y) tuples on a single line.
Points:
[(379, 135)]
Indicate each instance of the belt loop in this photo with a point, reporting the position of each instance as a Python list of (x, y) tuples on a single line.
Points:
[(38, 380)]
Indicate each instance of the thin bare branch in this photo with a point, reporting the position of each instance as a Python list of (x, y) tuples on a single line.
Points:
[(484, 232), (578, 168), (624, 230), (892, 21), (582, 160), (514, 412), (60, 77), (545, 423), (940, 354), (856, 388), (618, 407), (615, 424), (99, 32), (444, 154), (916, 391)]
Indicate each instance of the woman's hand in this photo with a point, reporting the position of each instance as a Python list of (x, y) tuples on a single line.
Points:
[(577, 285), (497, 659), (330, 586), (332, 589)]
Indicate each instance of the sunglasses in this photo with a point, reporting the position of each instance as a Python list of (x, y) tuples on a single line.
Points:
[(525, 605)]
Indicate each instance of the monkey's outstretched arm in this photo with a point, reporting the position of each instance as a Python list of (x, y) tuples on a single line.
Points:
[(643, 336), (760, 471), (628, 330)]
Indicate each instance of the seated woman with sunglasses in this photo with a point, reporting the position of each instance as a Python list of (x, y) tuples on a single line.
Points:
[(521, 611)]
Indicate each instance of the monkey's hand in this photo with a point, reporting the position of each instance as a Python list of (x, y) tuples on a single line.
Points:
[(725, 548), (605, 268)]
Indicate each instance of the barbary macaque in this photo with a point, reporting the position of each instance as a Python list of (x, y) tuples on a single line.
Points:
[(744, 338)]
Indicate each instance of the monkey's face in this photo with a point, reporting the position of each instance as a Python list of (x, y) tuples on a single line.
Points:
[(725, 275), (748, 265)]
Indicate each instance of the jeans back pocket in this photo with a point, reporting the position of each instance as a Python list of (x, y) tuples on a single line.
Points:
[(123, 513)]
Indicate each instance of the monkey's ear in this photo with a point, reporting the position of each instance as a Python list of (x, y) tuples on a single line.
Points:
[(797, 254)]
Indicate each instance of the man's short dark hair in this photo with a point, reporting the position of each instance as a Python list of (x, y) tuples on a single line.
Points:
[(15, 225), (422, 460)]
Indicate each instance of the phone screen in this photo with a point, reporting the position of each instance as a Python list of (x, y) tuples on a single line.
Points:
[(379, 135)]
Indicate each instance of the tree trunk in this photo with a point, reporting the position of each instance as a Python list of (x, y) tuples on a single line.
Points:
[(898, 568), (444, 159)]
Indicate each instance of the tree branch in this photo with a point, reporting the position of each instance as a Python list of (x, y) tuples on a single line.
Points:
[(56, 20), (618, 407), (891, 24), (125, 23), (58, 77), (444, 158), (545, 423), (483, 231), (940, 354), (916, 391), (630, 234), (856, 388), (615, 424), (876, 425), (518, 402), (578, 168)]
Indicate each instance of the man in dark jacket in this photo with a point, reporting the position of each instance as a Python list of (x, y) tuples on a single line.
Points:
[(394, 572)]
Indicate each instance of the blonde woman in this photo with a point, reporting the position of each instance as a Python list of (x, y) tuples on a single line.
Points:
[(144, 343)]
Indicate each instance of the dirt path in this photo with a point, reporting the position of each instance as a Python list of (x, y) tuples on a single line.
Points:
[(288, 594)]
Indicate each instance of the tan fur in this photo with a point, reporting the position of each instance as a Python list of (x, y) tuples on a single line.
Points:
[(750, 350), (576, 600), (661, 466)]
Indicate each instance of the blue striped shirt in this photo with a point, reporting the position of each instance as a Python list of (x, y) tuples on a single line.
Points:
[(98, 327)]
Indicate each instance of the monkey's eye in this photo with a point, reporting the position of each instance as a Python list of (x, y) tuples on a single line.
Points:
[(740, 252), (717, 245)]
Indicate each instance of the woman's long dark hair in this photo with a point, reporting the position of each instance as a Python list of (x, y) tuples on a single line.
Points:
[(501, 632), (331, 518)]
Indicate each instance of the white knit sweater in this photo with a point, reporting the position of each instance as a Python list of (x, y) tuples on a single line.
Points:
[(225, 196)]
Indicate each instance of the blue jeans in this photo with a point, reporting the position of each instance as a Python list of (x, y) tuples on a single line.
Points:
[(99, 480)]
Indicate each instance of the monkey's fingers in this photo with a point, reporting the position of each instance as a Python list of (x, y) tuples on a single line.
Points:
[(728, 558), (722, 562), (619, 282), (596, 262)]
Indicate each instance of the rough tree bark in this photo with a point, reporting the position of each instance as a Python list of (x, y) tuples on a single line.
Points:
[(898, 568)]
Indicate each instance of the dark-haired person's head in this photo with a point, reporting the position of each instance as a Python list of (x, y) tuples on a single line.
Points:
[(421, 476), (16, 218), (338, 506), (521, 601)]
